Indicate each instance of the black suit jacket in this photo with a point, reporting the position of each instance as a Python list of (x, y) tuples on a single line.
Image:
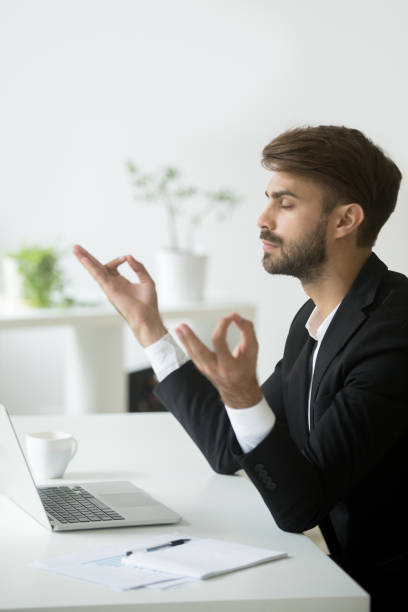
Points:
[(349, 473)]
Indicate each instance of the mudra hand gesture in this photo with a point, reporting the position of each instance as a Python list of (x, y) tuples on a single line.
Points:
[(136, 302), (232, 373)]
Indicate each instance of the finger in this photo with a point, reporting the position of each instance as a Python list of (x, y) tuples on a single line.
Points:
[(113, 265), (247, 330), (245, 326), (196, 349), (96, 270), (219, 337), (82, 253), (138, 267)]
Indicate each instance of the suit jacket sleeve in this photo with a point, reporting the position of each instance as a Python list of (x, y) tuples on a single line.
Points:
[(196, 403)]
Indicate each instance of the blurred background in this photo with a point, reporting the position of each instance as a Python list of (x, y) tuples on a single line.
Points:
[(200, 85)]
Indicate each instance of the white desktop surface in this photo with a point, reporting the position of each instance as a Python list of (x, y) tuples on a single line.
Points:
[(153, 451)]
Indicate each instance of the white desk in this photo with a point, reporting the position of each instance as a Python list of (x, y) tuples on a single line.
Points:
[(95, 373), (154, 452)]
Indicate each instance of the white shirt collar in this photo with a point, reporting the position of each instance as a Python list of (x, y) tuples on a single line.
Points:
[(316, 325)]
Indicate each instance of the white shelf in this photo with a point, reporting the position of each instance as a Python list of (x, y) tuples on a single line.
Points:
[(98, 349)]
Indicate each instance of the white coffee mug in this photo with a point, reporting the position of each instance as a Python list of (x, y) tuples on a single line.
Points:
[(49, 452)]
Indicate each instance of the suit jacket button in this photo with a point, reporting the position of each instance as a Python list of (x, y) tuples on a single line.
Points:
[(271, 485)]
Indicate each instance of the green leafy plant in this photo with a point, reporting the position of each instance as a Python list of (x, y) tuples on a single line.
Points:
[(165, 187), (43, 279)]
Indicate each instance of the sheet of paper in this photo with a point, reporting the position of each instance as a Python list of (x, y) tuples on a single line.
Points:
[(116, 577), (202, 558), (171, 584), (104, 566)]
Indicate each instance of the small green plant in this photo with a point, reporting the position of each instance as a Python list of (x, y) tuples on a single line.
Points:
[(165, 188), (43, 279)]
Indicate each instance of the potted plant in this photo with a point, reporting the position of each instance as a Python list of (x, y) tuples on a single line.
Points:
[(180, 272), (33, 276)]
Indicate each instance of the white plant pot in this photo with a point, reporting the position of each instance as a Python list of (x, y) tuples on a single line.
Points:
[(180, 277), (12, 282)]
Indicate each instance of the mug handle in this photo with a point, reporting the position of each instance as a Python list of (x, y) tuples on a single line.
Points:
[(74, 449)]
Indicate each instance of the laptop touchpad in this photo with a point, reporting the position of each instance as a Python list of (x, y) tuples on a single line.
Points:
[(125, 500)]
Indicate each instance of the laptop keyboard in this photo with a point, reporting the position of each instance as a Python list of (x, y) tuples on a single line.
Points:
[(75, 505)]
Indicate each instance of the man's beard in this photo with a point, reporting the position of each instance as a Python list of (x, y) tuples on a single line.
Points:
[(303, 259)]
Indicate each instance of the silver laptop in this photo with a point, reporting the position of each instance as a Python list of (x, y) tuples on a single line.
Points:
[(91, 505)]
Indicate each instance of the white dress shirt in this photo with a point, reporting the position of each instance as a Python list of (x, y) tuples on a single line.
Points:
[(251, 425)]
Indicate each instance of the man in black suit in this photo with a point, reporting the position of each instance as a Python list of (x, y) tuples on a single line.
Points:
[(325, 438)]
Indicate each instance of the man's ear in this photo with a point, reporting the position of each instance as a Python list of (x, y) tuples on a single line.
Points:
[(348, 218)]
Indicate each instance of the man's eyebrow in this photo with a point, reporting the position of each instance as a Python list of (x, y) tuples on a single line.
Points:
[(275, 195)]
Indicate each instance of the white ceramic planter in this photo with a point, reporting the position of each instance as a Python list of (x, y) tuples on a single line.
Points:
[(180, 277), (12, 282)]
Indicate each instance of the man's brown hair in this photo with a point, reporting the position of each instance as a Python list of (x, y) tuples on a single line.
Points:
[(349, 167)]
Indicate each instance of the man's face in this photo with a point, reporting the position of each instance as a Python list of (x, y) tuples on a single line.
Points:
[(293, 227)]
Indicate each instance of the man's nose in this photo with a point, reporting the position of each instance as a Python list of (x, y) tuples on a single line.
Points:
[(267, 219)]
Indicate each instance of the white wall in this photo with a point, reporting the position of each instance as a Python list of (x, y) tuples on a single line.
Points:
[(203, 84)]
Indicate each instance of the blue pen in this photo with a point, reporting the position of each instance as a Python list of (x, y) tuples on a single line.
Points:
[(166, 545)]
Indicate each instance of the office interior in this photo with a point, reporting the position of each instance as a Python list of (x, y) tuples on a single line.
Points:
[(203, 85)]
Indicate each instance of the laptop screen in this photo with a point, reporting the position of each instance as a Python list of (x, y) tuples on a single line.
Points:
[(16, 480)]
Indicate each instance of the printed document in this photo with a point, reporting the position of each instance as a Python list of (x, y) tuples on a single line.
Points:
[(198, 558)]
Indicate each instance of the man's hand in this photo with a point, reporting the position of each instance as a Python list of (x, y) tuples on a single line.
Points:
[(136, 302), (234, 374)]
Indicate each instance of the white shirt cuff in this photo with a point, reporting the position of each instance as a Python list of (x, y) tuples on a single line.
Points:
[(165, 356), (251, 425)]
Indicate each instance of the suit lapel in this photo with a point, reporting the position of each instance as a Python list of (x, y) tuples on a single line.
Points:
[(349, 316), (345, 323)]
